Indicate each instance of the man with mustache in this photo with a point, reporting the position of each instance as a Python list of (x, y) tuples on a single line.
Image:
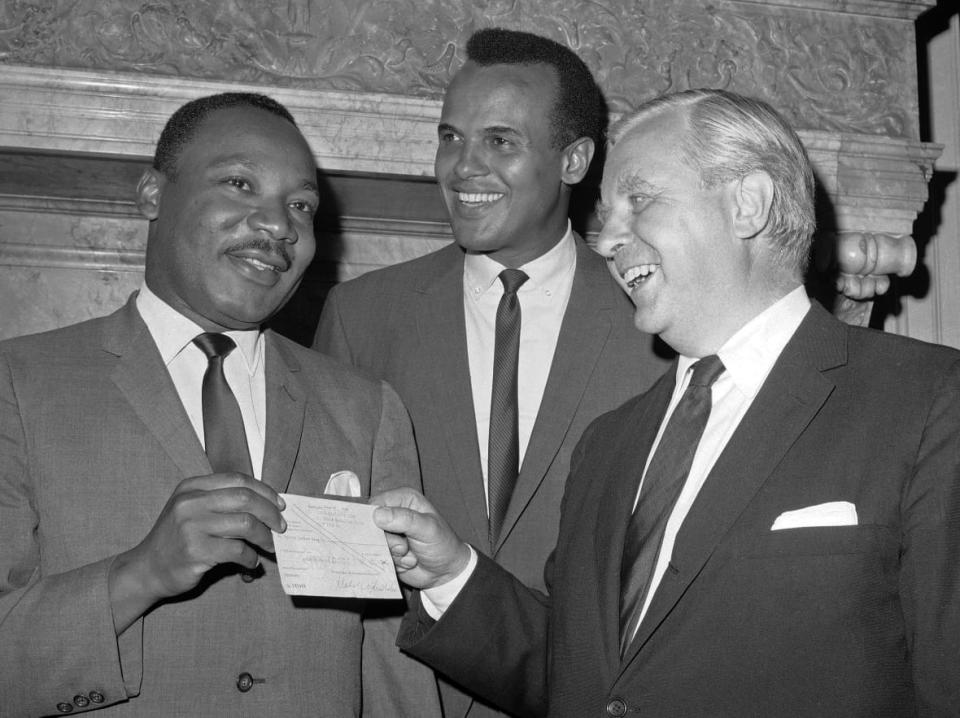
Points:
[(142, 454), (774, 528)]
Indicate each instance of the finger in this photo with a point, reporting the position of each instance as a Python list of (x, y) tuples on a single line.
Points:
[(407, 562), (235, 551), (398, 520), (397, 544), (403, 497), (240, 526), (242, 500), (215, 482)]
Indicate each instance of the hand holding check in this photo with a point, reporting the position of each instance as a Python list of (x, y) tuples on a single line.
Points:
[(426, 552)]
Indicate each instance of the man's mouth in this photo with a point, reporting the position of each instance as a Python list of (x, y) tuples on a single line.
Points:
[(271, 258), (637, 275), (478, 198)]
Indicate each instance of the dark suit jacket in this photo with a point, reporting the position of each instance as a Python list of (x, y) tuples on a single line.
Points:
[(857, 620), (405, 324), (93, 440)]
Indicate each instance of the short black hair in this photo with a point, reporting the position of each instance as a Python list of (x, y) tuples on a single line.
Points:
[(183, 123), (579, 110)]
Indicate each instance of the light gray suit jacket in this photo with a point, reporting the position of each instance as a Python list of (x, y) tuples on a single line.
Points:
[(93, 440), (405, 324)]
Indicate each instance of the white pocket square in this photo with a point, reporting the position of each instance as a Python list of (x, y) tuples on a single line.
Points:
[(832, 513), (343, 483)]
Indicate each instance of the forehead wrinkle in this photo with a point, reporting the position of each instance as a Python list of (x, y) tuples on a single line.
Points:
[(501, 130)]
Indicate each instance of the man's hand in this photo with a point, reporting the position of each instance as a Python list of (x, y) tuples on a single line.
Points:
[(426, 551), (208, 520)]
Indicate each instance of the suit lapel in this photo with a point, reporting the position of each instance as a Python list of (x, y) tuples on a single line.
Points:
[(619, 470), (583, 334), (286, 406), (145, 382), (792, 395), (442, 334)]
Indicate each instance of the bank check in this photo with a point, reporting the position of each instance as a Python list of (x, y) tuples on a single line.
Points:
[(332, 548)]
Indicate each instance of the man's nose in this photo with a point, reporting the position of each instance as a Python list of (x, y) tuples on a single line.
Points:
[(613, 235), (470, 161), (273, 218)]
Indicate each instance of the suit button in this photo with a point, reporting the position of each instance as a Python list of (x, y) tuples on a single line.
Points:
[(96, 697), (244, 682), (81, 701), (64, 707), (247, 577), (616, 708)]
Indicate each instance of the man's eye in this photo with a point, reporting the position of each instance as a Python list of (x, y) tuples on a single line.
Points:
[(303, 206), (448, 137), (238, 182), (639, 202), (500, 141)]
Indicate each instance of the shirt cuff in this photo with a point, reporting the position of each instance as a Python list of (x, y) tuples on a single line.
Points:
[(437, 600)]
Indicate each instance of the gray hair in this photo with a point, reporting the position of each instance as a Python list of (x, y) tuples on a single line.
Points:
[(730, 136)]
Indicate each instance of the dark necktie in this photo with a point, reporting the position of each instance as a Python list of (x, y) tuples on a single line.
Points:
[(503, 449), (223, 432), (661, 486)]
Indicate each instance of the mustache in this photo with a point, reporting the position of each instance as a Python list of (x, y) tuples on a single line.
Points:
[(275, 247)]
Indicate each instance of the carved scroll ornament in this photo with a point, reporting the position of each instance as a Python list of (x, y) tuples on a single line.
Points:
[(824, 70)]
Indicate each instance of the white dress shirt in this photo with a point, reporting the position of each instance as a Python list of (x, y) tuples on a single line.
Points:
[(747, 356), (173, 334), (543, 301)]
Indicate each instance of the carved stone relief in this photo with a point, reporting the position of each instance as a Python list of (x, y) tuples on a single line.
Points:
[(825, 70)]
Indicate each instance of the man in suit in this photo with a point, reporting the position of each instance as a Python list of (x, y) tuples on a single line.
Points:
[(517, 132), (797, 553), (136, 573)]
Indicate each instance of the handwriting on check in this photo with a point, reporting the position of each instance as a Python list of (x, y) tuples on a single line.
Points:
[(333, 548)]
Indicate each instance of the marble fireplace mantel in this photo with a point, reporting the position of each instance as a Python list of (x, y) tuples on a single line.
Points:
[(72, 143)]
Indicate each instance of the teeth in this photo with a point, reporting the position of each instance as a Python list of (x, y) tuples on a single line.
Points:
[(637, 275), (261, 265), (479, 197)]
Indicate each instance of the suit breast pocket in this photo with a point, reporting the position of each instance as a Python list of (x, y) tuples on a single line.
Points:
[(818, 541), (839, 564)]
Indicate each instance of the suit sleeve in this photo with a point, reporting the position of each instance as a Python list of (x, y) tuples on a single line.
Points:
[(930, 556), (395, 462), (394, 684), (57, 640), (331, 337), (495, 637), (492, 639)]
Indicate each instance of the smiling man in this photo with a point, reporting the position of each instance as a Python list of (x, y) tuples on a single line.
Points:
[(142, 453), (772, 529), (518, 129)]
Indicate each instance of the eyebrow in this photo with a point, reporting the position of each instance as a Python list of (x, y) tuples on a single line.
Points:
[(602, 210), (250, 166), (634, 184)]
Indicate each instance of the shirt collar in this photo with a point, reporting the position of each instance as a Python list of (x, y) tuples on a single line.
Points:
[(172, 331), (749, 355), (545, 272)]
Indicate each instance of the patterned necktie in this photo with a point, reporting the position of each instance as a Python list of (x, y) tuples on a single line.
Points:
[(223, 434), (503, 449), (664, 479)]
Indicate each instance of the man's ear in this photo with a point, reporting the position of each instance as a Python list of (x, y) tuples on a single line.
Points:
[(753, 197), (576, 160), (149, 191)]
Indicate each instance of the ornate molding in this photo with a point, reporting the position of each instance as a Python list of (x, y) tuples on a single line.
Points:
[(840, 66), (876, 185), (122, 115)]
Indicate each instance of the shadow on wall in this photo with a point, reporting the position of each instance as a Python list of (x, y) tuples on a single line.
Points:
[(298, 318), (929, 25)]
